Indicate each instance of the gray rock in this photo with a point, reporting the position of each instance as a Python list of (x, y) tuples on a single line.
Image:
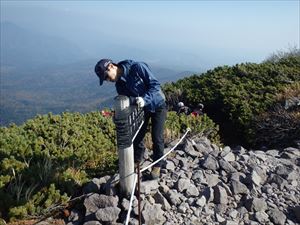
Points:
[(281, 183), (238, 176), (163, 188), (175, 161), (210, 163), (108, 214), (244, 158), (183, 162), (203, 140), (276, 216), (225, 151), (256, 204), (148, 186), (242, 211), (153, 215), (125, 204), (230, 157), (261, 217), (220, 195), (273, 152), (201, 201), (95, 201), (234, 214), (287, 172), (150, 199), (190, 150), (219, 218), (183, 207), (227, 189), (94, 185), (160, 199), (261, 155), (198, 175), (294, 151), (254, 178), (173, 197), (202, 148), (191, 201), (170, 165), (225, 165), (236, 165), (238, 188), (192, 191), (207, 210), (212, 179), (215, 153), (183, 184)]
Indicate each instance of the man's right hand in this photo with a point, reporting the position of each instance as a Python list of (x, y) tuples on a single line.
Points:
[(140, 102)]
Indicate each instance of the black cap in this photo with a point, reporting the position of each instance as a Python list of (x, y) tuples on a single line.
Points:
[(101, 67)]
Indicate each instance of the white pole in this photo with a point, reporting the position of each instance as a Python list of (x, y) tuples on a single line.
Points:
[(125, 149)]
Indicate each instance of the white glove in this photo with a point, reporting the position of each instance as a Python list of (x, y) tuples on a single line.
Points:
[(140, 102)]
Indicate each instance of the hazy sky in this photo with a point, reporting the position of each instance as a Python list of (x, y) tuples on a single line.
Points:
[(203, 32)]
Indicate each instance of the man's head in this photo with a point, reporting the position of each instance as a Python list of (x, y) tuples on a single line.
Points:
[(101, 69), (106, 70)]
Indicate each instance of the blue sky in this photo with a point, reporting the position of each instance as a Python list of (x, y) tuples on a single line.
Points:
[(200, 34)]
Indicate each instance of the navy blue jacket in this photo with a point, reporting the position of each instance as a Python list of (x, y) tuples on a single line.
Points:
[(138, 81)]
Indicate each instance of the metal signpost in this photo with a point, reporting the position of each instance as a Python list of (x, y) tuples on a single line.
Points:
[(128, 120)]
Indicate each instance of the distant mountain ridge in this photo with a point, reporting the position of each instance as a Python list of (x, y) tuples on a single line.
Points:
[(24, 48)]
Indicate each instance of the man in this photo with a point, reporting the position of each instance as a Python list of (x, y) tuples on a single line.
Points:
[(135, 80)]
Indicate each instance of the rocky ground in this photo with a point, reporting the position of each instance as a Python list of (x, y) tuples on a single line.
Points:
[(203, 184)]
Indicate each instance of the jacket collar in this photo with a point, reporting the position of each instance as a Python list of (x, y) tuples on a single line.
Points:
[(125, 73)]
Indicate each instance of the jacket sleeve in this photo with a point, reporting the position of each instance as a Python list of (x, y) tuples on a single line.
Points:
[(152, 85)]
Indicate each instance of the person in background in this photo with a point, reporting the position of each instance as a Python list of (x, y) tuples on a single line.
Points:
[(198, 111), (181, 108), (136, 80)]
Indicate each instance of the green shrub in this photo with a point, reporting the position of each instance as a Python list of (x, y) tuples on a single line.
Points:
[(200, 125), (41, 204), (176, 126), (66, 150), (280, 125), (234, 96)]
